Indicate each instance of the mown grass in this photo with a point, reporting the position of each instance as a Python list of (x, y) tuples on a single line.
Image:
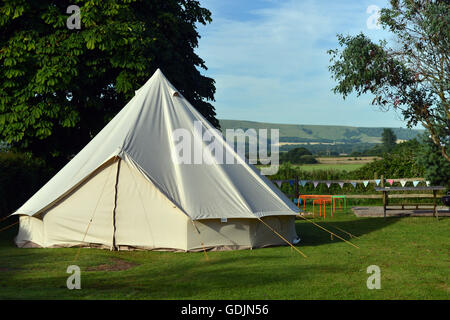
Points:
[(413, 254)]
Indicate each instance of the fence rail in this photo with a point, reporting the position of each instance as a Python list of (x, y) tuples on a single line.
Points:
[(380, 196), (349, 181), (382, 181)]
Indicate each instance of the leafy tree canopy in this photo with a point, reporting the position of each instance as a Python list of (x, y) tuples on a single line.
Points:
[(437, 170), (401, 162), (60, 86), (388, 139), (298, 156), (413, 75), (297, 152)]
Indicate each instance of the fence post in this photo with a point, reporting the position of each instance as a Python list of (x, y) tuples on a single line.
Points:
[(384, 196)]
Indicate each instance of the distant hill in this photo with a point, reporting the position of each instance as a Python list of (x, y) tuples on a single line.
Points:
[(339, 139), (321, 133)]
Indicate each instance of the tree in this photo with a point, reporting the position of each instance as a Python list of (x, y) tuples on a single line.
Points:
[(3, 146), (437, 170), (400, 162), (60, 86), (413, 75), (298, 156), (388, 139), (19, 170)]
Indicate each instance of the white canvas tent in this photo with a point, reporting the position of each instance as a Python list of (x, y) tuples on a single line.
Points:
[(124, 191)]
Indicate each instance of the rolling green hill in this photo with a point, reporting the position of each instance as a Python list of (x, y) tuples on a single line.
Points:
[(319, 138), (321, 133)]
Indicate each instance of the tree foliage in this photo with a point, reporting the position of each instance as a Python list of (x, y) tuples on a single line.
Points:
[(388, 139), (400, 162), (437, 170), (298, 156), (413, 75), (60, 86), (19, 171)]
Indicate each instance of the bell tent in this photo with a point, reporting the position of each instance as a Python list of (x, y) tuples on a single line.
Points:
[(125, 190)]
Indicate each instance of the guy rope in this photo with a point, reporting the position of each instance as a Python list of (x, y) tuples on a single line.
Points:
[(282, 238), (333, 234), (7, 227), (199, 236)]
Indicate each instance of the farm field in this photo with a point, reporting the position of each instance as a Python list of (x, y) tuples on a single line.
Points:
[(412, 253), (302, 133), (337, 166), (346, 160), (337, 163)]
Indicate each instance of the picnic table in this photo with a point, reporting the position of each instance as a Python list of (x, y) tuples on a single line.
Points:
[(303, 197), (386, 191), (322, 199)]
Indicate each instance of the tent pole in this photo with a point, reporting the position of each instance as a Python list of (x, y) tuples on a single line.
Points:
[(93, 213), (113, 248)]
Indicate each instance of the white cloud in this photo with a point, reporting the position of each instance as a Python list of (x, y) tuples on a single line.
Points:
[(270, 64)]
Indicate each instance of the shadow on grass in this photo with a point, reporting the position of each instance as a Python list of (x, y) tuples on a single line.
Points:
[(251, 278), (174, 275), (41, 273), (312, 235), (248, 276)]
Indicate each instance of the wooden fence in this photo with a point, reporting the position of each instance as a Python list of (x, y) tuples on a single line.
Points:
[(382, 183)]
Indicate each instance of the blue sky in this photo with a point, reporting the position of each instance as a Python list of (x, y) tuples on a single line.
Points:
[(269, 60)]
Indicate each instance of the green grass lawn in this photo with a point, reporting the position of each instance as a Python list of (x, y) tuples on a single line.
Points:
[(413, 254)]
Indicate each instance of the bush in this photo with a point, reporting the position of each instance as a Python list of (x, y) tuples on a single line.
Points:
[(307, 159), (437, 168), (298, 156), (20, 178), (401, 162)]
